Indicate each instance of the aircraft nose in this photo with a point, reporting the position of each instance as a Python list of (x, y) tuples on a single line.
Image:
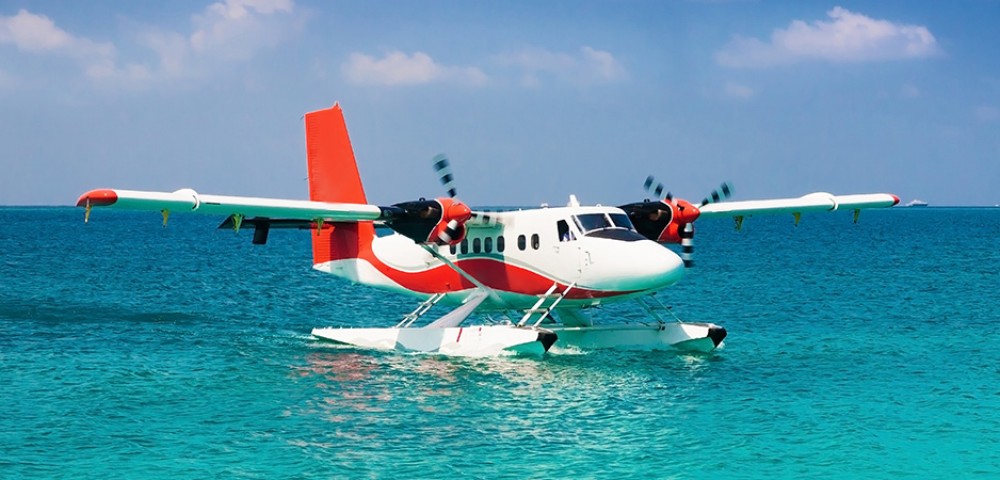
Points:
[(644, 265)]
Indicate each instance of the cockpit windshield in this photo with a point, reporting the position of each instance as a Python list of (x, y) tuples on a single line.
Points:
[(590, 222), (621, 220)]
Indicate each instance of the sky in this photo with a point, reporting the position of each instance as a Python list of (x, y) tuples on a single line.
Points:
[(531, 101)]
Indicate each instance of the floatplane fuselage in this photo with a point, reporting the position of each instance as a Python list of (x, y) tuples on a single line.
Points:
[(534, 273)]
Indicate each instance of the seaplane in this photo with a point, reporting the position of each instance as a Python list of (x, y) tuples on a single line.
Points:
[(534, 276)]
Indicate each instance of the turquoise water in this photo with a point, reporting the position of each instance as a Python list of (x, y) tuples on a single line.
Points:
[(855, 351)]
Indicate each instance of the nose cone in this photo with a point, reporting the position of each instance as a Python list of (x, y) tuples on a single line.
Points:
[(630, 266)]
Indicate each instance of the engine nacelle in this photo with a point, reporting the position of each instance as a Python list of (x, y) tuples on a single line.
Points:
[(440, 221), (661, 221)]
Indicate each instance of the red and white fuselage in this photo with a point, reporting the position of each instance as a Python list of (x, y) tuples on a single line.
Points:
[(520, 257)]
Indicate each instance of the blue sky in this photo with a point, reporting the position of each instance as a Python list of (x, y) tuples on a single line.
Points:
[(531, 100)]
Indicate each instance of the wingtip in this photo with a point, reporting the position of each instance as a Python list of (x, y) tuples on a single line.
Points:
[(98, 198)]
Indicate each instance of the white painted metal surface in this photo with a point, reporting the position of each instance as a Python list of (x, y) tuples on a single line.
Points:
[(693, 337), (474, 341)]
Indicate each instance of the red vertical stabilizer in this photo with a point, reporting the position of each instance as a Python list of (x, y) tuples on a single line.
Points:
[(334, 177)]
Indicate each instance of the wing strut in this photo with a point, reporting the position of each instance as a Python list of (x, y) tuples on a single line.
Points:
[(455, 317), (492, 293)]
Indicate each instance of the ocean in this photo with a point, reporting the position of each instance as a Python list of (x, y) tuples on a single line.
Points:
[(129, 350)]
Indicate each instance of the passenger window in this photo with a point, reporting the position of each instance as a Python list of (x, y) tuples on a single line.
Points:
[(500, 243), (476, 245), (452, 248), (465, 246), (534, 241), (521, 242), (488, 244)]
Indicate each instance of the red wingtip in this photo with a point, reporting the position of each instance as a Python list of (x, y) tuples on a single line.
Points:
[(98, 198), (896, 202)]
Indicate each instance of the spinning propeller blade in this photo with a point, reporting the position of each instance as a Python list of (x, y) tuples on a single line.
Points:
[(681, 227), (443, 168), (687, 245), (656, 188), (719, 194)]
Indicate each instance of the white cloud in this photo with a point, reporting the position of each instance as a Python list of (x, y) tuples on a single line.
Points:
[(601, 64), (33, 33), (987, 113), (236, 29), (736, 90), (533, 68), (847, 37), (397, 68), (588, 65), (225, 31), (38, 34)]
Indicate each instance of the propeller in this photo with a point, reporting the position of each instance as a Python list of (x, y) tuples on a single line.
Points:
[(440, 221), (442, 167), (719, 194), (678, 226), (657, 188)]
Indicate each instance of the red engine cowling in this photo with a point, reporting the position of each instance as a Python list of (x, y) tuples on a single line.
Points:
[(450, 230), (683, 213), (440, 221), (661, 220)]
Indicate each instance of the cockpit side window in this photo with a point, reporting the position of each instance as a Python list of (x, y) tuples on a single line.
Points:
[(565, 235)]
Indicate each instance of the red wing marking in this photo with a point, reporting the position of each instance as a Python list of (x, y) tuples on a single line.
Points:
[(98, 198)]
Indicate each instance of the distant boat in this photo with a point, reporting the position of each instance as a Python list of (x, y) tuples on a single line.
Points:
[(916, 203)]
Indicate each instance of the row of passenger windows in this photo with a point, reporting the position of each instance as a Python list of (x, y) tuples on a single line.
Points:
[(485, 244)]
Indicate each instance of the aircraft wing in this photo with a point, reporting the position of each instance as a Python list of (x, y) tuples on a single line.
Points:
[(187, 200), (813, 202)]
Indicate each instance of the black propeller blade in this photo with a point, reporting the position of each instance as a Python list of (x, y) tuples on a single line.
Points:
[(657, 188), (443, 168), (687, 245), (719, 194)]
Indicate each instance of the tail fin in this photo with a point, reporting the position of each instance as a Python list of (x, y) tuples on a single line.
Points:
[(334, 177)]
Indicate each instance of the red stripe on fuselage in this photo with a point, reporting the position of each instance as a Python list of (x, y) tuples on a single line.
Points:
[(495, 274)]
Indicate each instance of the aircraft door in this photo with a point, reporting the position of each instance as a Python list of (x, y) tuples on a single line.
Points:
[(568, 249)]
